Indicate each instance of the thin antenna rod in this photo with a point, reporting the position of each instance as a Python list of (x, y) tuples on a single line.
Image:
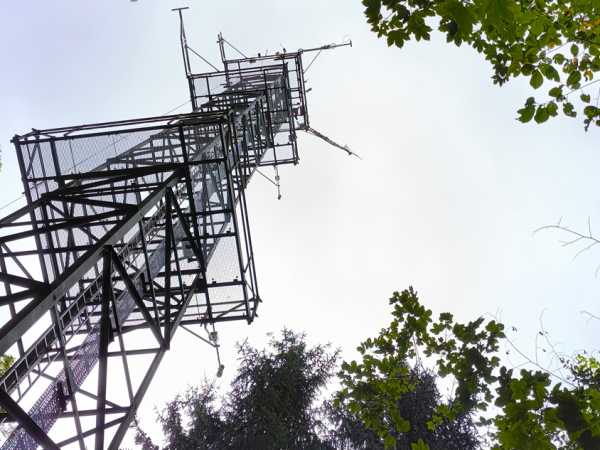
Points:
[(220, 40), (319, 50), (183, 39), (185, 48), (331, 142), (325, 47)]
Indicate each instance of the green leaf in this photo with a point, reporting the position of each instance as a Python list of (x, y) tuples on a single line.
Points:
[(591, 111), (419, 445), (417, 26), (541, 115), (552, 109), (460, 14), (568, 110), (585, 98), (574, 79), (555, 92), (549, 72), (526, 113), (500, 16), (389, 442), (527, 69), (574, 50), (536, 79), (373, 10)]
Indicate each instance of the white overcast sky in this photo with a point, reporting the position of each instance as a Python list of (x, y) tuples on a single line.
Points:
[(446, 197)]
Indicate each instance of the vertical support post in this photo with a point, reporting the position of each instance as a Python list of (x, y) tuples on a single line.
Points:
[(123, 351), (288, 106), (38, 241), (271, 134), (249, 249), (61, 184), (194, 215), (237, 166), (107, 298), (168, 234), (186, 57), (302, 88), (231, 197), (12, 309), (68, 374), (148, 273), (120, 433), (55, 309), (221, 42)]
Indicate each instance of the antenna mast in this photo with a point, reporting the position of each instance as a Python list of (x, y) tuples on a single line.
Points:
[(183, 40)]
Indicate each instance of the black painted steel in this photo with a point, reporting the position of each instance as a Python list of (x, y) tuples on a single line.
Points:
[(131, 229)]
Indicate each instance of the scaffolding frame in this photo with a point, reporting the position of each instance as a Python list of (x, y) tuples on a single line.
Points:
[(133, 229)]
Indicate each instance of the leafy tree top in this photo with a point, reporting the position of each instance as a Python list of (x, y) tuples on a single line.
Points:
[(525, 410), (554, 43)]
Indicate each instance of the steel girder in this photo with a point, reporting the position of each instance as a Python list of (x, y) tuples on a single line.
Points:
[(122, 248)]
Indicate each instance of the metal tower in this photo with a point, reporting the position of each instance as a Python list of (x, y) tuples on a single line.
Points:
[(132, 230)]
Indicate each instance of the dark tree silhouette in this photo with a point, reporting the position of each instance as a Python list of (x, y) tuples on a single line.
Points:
[(275, 403), (272, 403)]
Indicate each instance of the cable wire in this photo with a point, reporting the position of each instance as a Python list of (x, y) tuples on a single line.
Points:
[(233, 47), (312, 61), (202, 57), (13, 201)]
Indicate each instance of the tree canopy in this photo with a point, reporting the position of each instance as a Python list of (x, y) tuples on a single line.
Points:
[(389, 398), (416, 402), (276, 401), (524, 410), (554, 43)]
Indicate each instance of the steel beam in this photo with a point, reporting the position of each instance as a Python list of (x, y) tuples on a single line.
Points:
[(34, 310), (32, 428)]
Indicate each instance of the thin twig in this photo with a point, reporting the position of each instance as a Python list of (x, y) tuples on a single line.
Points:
[(528, 361), (539, 366), (575, 237), (590, 315), (555, 354)]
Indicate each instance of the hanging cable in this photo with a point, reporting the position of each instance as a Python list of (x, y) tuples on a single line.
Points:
[(266, 177), (277, 181), (212, 339), (274, 183)]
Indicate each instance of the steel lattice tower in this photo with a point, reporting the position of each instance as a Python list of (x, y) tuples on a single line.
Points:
[(132, 230)]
